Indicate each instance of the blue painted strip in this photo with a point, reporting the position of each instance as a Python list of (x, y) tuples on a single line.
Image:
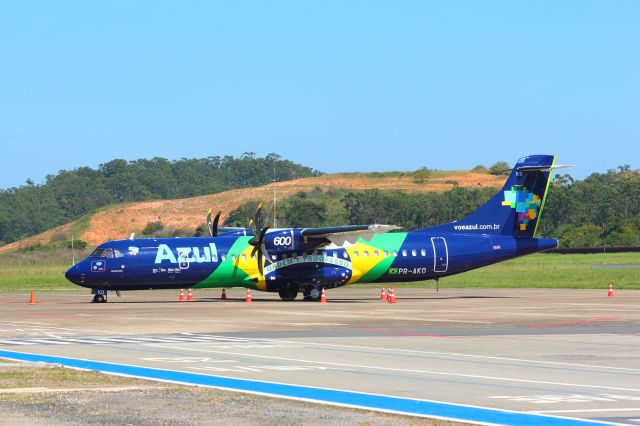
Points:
[(375, 402)]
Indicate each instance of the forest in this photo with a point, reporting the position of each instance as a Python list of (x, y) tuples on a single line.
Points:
[(600, 210), (67, 195)]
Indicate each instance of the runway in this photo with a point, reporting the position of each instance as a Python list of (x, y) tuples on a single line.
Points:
[(571, 354)]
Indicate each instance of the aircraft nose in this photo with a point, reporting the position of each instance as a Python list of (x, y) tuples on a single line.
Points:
[(75, 275)]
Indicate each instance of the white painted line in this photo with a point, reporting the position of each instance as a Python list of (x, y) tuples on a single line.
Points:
[(567, 364), (15, 342), (91, 341), (116, 340), (45, 326), (47, 341), (596, 410), (401, 370)]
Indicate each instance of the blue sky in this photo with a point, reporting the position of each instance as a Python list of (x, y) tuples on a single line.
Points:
[(336, 85)]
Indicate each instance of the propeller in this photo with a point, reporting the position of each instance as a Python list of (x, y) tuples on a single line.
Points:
[(257, 241), (213, 224)]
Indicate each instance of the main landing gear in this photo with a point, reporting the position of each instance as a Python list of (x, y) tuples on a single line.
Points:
[(311, 293), (289, 293)]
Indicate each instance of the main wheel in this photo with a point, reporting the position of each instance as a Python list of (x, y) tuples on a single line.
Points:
[(312, 294), (289, 293), (99, 298)]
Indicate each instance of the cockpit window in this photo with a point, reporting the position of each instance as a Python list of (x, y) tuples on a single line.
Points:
[(117, 253), (102, 252)]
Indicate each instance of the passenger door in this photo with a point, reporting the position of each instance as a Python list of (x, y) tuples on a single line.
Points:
[(440, 254)]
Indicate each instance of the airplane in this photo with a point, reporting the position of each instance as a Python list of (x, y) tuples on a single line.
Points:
[(293, 260)]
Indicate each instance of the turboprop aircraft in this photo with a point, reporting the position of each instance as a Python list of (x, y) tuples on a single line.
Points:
[(294, 260)]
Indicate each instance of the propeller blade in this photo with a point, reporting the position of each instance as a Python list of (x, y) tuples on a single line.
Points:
[(265, 253), (260, 269), (257, 218), (214, 227), (262, 232), (210, 223)]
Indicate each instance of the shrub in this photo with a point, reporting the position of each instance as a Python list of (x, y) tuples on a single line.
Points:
[(480, 169), (152, 228)]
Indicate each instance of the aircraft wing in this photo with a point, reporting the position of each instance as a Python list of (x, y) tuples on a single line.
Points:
[(338, 235)]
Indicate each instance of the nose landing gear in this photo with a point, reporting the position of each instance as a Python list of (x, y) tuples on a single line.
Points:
[(99, 296)]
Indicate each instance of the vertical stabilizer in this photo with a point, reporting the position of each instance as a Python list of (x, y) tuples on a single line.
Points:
[(516, 209)]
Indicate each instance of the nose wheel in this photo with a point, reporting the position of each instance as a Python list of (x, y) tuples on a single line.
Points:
[(100, 298)]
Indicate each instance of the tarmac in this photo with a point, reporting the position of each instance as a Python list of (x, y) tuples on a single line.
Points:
[(562, 354)]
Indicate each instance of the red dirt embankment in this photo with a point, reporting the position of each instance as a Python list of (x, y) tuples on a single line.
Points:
[(119, 221)]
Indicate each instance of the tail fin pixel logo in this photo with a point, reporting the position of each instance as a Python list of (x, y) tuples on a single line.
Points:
[(526, 204)]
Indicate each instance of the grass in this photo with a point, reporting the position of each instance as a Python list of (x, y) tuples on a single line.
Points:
[(549, 271), (535, 271), (30, 277), (60, 377)]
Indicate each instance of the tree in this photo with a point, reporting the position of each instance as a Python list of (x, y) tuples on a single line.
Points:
[(422, 174), (500, 168)]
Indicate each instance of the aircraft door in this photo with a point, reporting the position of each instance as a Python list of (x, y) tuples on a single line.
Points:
[(183, 260), (440, 254)]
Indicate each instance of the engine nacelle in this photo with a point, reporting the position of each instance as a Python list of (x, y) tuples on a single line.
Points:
[(289, 240)]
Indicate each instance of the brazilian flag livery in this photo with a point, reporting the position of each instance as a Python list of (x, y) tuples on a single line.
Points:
[(292, 260)]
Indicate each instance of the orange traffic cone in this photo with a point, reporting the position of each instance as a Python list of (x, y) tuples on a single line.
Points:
[(323, 296), (181, 298), (190, 296), (32, 299), (224, 295), (392, 295), (383, 295), (610, 293), (248, 299)]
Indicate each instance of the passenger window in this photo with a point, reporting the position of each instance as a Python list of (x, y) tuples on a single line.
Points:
[(315, 252), (244, 256), (395, 252), (404, 252), (344, 254), (375, 253), (413, 252), (223, 257), (273, 257), (335, 254), (386, 253), (355, 253), (423, 252), (233, 257), (366, 253)]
